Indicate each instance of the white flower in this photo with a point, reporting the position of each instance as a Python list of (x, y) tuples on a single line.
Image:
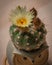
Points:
[(20, 17)]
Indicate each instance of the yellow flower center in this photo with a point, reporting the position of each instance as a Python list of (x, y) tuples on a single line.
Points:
[(21, 22)]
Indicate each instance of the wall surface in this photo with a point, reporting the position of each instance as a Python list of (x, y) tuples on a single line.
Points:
[(44, 8)]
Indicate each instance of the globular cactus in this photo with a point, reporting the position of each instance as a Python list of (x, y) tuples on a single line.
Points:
[(30, 37)]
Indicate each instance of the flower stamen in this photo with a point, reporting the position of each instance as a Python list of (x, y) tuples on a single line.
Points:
[(21, 22)]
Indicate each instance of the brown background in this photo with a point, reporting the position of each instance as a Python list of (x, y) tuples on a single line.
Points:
[(44, 8)]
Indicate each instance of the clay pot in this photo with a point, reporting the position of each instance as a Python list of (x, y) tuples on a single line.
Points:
[(21, 57)]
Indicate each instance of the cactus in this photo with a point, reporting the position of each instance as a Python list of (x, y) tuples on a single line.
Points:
[(31, 37)]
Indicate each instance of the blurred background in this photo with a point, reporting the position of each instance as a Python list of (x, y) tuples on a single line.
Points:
[(44, 8)]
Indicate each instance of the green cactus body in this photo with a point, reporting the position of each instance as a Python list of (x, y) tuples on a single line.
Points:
[(27, 39)]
